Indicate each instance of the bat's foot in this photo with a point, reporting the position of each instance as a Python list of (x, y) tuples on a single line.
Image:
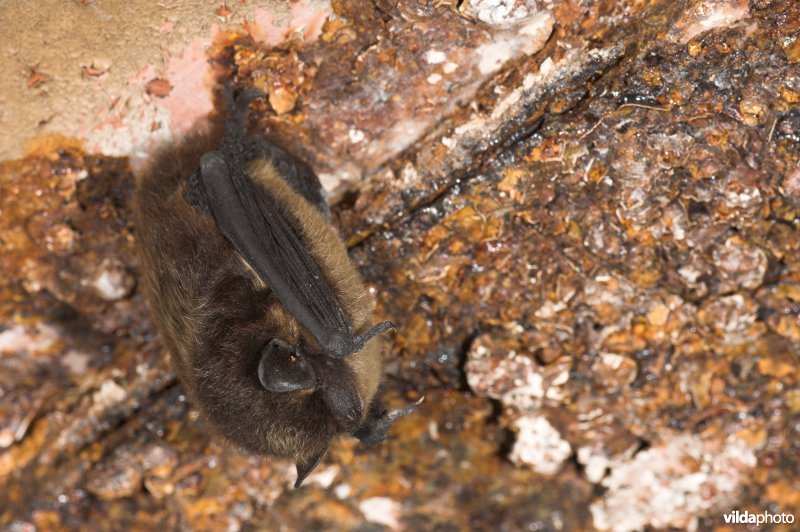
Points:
[(238, 106), (239, 103), (376, 430)]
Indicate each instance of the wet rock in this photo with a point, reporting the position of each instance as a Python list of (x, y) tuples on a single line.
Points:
[(732, 319), (671, 484), (381, 510), (112, 281), (741, 265), (589, 248), (498, 370), (539, 445)]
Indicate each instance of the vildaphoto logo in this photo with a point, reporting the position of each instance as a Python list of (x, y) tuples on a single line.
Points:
[(764, 518)]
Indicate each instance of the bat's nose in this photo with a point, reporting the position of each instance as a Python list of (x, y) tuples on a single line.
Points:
[(344, 405)]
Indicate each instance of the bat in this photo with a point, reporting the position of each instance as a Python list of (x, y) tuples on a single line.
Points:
[(267, 320)]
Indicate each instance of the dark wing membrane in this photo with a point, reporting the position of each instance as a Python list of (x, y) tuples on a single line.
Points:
[(254, 224), (295, 172)]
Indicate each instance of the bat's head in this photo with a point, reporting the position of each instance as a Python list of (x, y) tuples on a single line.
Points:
[(285, 368), (340, 386)]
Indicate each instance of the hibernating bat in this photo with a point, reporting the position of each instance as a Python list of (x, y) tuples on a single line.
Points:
[(269, 325)]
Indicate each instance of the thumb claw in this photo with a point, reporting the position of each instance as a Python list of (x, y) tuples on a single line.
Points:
[(376, 430), (398, 413), (341, 345), (380, 328)]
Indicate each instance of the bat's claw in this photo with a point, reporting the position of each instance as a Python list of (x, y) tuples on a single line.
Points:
[(380, 328), (376, 430), (244, 98)]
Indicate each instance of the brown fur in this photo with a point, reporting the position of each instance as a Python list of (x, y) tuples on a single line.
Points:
[(216, 318), (329, 251)]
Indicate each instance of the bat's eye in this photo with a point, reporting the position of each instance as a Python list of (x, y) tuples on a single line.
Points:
[(282, 370)]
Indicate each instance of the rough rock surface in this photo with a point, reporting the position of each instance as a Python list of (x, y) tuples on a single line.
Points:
[(589, 245)]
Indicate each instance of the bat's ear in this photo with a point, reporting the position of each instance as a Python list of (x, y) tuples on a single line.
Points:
[(376, 428), (305, 467), (282, 369)]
